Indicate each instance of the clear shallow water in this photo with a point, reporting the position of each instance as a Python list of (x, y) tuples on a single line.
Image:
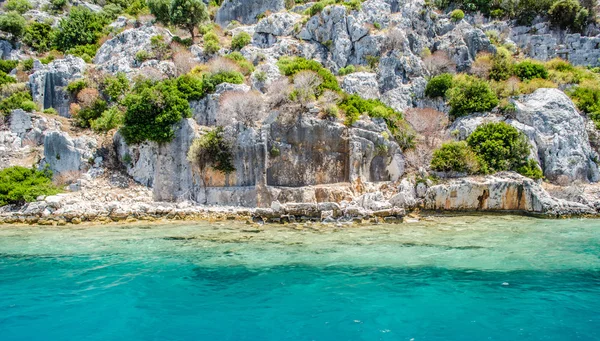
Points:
[(467, 278)]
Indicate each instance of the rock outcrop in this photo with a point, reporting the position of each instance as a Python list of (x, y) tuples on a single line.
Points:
[(246, 11), (64, 154), (48, 83), (559, 134), (505, 192)]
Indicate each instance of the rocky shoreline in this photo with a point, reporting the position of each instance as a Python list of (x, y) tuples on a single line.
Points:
[(505, 193)]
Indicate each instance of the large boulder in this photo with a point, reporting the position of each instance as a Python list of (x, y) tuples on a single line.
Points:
[(246, 11), (507, 192), (48, 83), (118, 54), (560, 135), (276, 25), (65, 154)]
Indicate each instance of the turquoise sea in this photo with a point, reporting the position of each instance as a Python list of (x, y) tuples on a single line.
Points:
[(451, 278)]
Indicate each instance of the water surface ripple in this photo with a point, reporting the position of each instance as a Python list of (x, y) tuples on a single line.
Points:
[(451, 278)]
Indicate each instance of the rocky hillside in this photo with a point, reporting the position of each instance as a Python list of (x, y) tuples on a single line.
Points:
[(373, 106)]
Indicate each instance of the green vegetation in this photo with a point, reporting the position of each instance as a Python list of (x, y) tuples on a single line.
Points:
[(115, 87), (187, 14), (470, 94), (568, 14), (212, 44), (77, 85), (245, 66), (492, 147), (20, 6), (438, 85), (502, 65), (529, 69), (290, 66), (80, 27), (500, 146), (13, 23), (19, 185), (152, 110), (17, 100), (212, 150), (108, 120), (86, 115), (240, 40), (455, 157), (347, 70), (457, 15)]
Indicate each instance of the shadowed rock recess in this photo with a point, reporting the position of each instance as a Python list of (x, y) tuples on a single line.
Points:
[(329, 111)]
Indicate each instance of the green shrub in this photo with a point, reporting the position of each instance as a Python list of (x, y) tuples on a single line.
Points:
[(19, 185), (77, 85), (530, 86), (50, 111), (108, 120), (86, 116), (7, 66), (85, 52), (568, 14), (18, 100), (152, 110), (27, 64), (191, 87), (529, 69), (20, 6), (58, 5), (455, 157), (28, 105), (211, 47), (211, 150), (143, 55), (587, 97), (211, 81), (502, 65), (245, 66), (457, 15), (240, 40), (114, 87), (526, 10), (80, 27), (438, 85), (531, 169), (347, 70), (6, 79), (291, 66), (500, 146), (13, 23), (470, 94)]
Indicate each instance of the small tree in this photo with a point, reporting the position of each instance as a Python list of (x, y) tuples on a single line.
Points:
[(306, 84), (568, 14), (500, 146), (186, 14), (13, 23), (470, 94)]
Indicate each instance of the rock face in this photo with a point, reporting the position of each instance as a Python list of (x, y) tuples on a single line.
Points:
[(64, 154), (502, 192), (273, 26), (48, 84), (559, 133), (118, 54), (295, 161), (363, 84), (246, 11)]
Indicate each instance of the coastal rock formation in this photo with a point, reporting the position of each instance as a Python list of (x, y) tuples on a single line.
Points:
[(504, 192), (560, 136), (63, 154), (48, 84)]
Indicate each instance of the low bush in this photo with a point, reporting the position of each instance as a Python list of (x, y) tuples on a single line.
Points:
[(19, 185), (20, 6), (291, 66), (80, 27), (587, 97), (438, 85), (211, 150), (115, 87), (470, 94), (108, 120), (502, 65), (529, 69), (18, 100), (6, 79), (7, 66), (13, 23), (85, 52), (455, 157), (245, 66), (347, 70), (457, 15), (89, 113), (534, 84), (240, 40), (531, 169), (77, 85), (152, 110), (500, 146)]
